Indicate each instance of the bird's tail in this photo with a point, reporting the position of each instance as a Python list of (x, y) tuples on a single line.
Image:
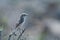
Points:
[(17, 25)]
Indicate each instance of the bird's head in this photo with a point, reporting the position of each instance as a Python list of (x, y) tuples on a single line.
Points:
[(24, 14)]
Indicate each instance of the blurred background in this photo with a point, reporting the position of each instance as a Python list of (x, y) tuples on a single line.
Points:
[(10, 11)]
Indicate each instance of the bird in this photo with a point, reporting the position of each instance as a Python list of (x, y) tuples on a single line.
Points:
[(23, 15)]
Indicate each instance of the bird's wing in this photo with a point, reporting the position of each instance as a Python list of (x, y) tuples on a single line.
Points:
[(20, 22)]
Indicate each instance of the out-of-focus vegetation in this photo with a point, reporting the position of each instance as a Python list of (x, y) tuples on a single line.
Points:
[(10, 11)]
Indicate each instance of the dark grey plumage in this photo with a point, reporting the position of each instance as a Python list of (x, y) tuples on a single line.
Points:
[(20, 22), (21, 19)]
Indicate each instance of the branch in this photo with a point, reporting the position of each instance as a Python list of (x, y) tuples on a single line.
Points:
[(21, 34), (11, 35)]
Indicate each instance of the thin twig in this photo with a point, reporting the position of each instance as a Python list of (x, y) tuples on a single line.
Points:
[(11, 35), (21, 34)]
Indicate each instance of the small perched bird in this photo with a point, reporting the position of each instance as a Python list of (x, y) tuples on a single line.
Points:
[(21, 19), (20, 22)]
